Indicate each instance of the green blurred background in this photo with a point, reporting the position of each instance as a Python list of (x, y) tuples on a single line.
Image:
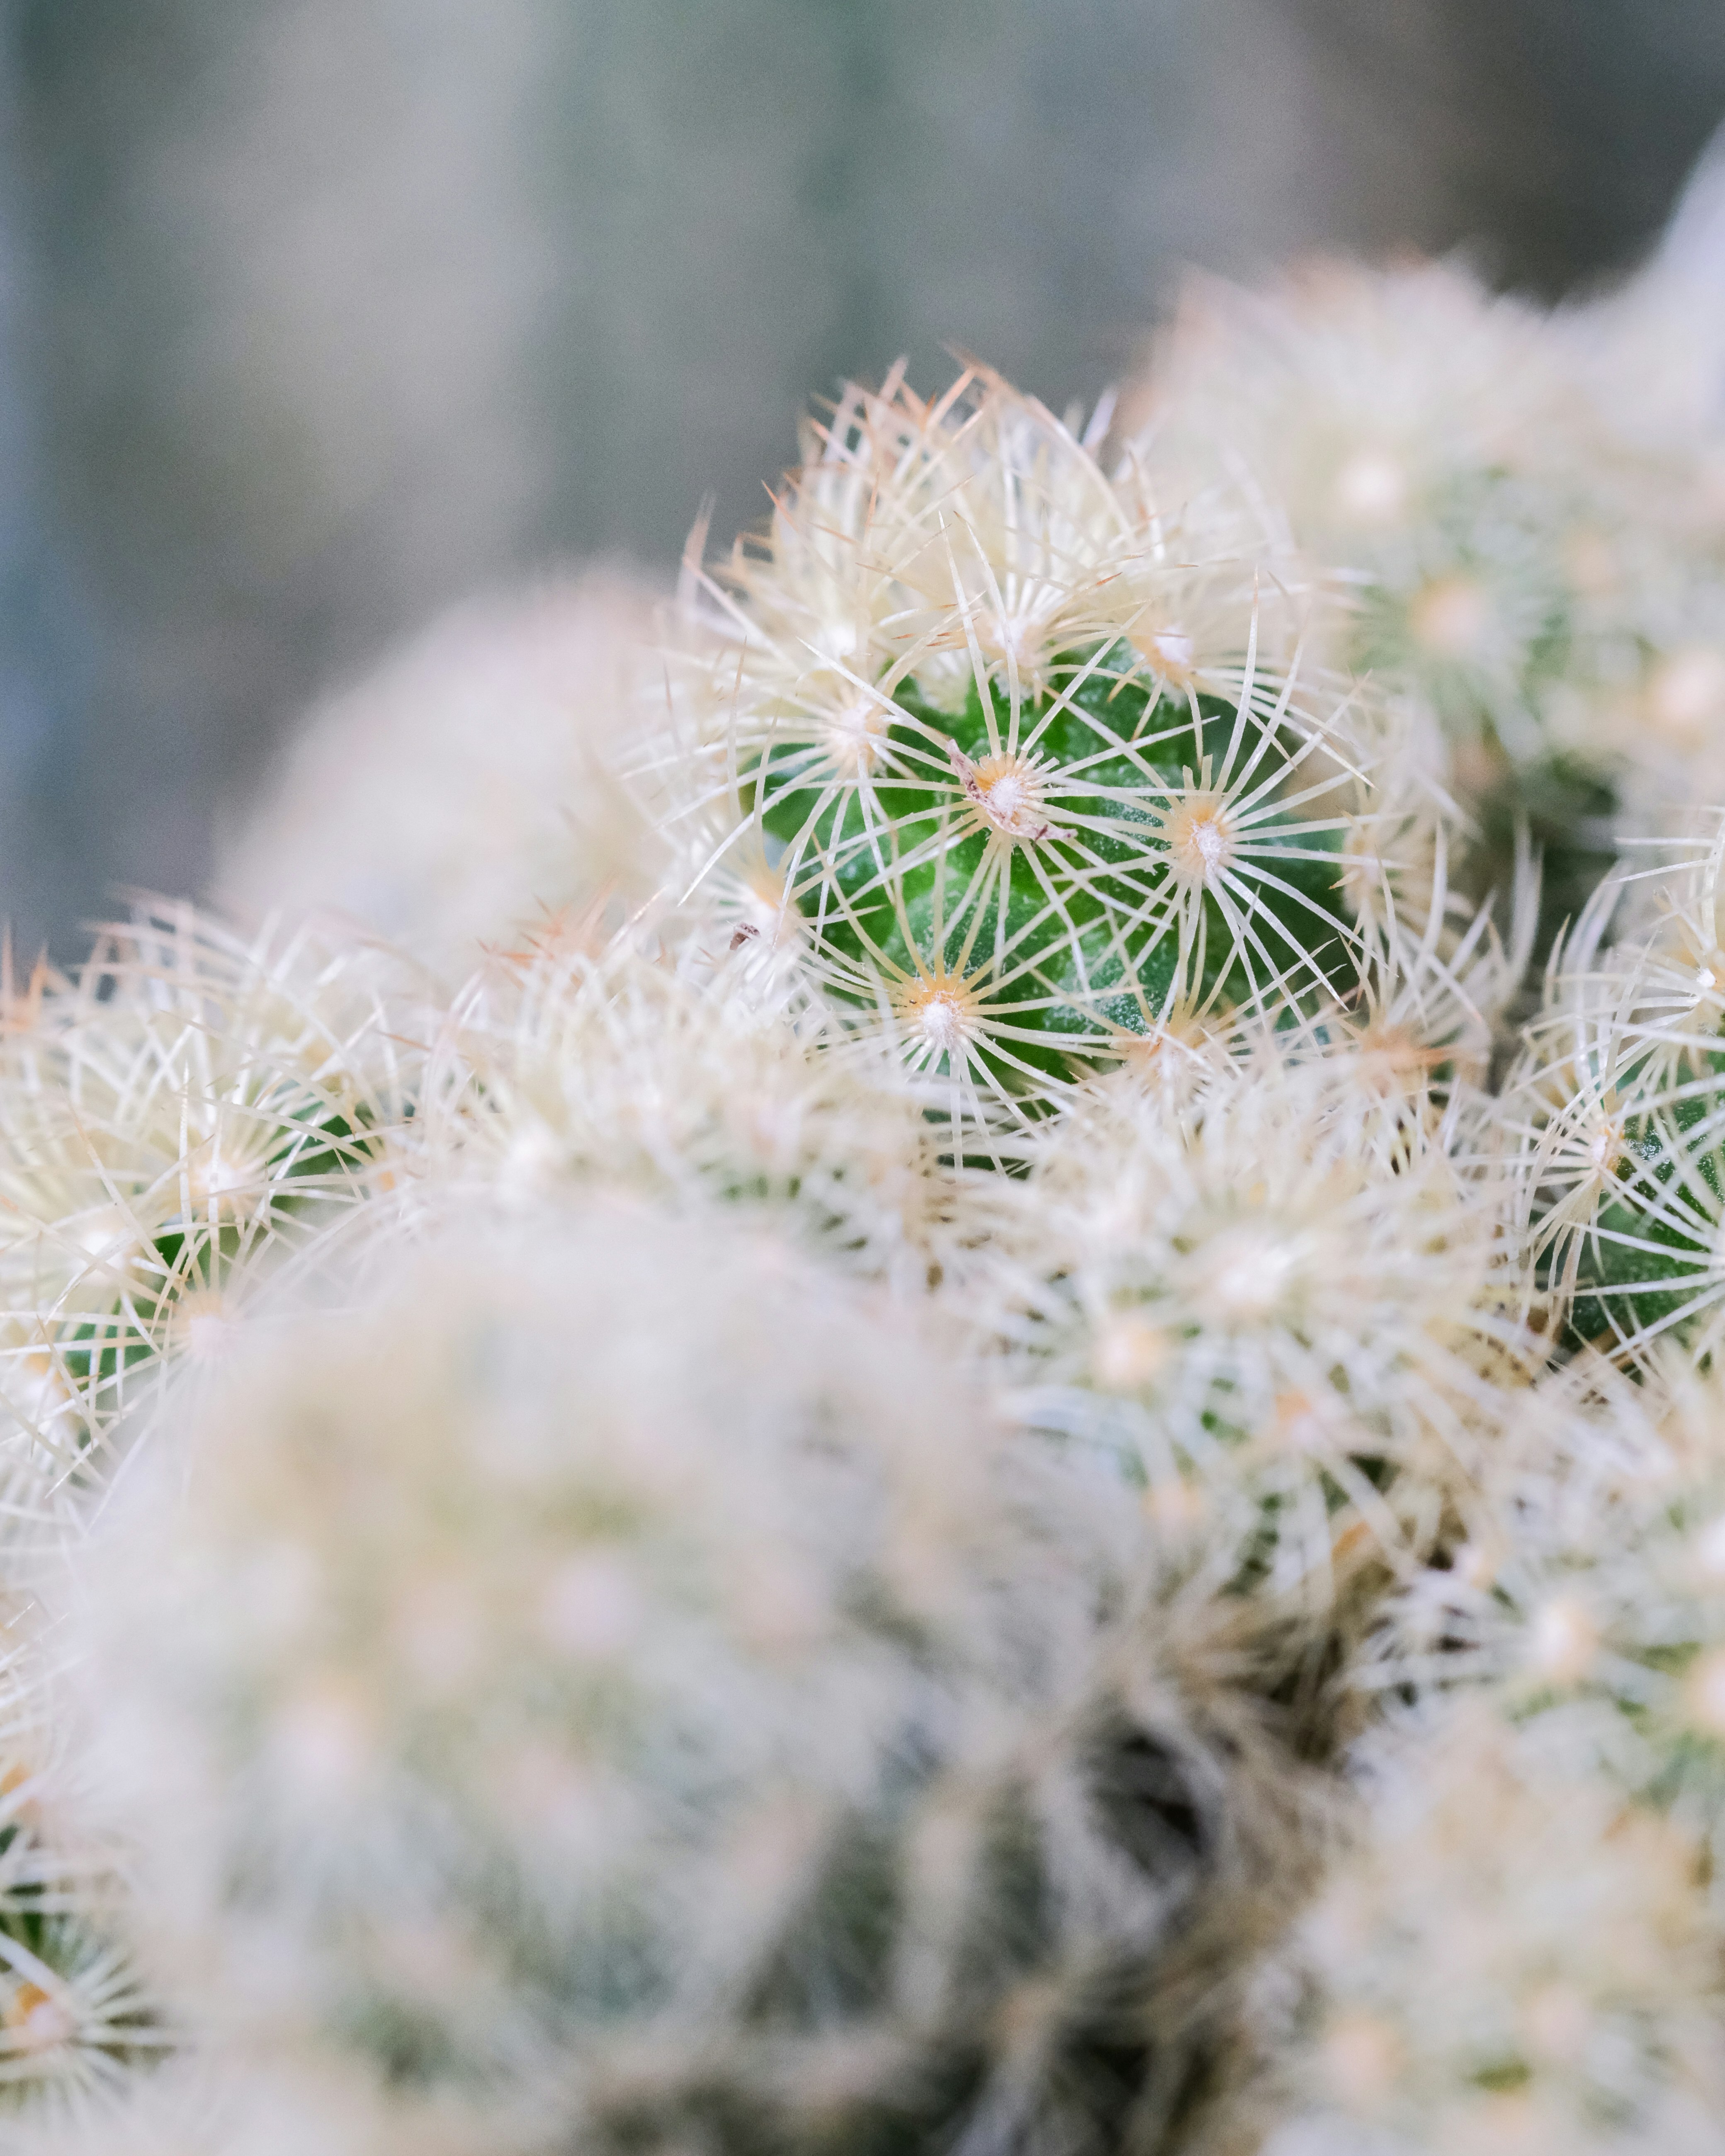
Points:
[(316, 314)]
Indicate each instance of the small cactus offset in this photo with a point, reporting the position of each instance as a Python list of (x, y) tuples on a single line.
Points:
[(977, 1414)]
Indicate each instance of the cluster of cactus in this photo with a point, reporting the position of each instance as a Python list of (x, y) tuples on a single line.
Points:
[(995, 1446)]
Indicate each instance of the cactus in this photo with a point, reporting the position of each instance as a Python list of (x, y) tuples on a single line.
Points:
[(186, 1114), (1529, 566), (965, 1462), (562, 1068), (1616, 1107), (1505, 1962), (1023, 741), (193, 1106), (1592, 1608), (78, 2022), (1288, 1318), (661, 1736)]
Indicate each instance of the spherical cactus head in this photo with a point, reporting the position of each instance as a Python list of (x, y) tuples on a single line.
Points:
[(603, 1673), (1028, 743)]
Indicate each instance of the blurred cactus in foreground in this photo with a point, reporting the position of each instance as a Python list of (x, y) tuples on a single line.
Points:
[(683, 1735)]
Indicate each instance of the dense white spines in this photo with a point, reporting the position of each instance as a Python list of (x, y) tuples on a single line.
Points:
[(197, 1104), (582, 1722), (1530, 541), (1615, 1106), (931, 540), (190, 1113), (563, 1070), (1285, 1312), (1403, 418), (1505, 1963), (1010, 748), (788, 1521), (77, 2019), (1590, 1604)]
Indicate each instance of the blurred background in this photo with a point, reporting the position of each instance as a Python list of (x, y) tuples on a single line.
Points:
[(317, 314)]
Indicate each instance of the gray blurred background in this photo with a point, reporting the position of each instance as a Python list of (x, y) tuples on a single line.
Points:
[(316, 314)]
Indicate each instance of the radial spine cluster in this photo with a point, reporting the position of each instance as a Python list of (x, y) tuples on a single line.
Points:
[(1025, 742)]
